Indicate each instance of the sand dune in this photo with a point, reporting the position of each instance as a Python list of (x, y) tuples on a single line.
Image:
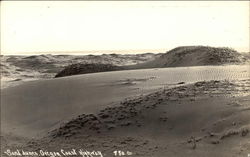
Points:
[(18, 69), (178, 57), (194, 56), (153, 112)]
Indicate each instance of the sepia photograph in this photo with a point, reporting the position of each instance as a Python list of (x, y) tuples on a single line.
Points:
[(125, 79)]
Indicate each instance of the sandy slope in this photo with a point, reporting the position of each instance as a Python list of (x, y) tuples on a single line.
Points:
[(91, 112), (201, 119)]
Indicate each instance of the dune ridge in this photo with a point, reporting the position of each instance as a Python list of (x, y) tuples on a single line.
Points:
[(183, 56), (195, 56)]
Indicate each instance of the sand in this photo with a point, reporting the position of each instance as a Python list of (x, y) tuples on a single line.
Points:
[(154, 112)]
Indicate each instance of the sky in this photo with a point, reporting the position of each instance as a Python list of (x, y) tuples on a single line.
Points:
[(87, 26)]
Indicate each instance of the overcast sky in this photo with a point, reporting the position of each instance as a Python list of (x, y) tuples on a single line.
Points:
[(64, 26)]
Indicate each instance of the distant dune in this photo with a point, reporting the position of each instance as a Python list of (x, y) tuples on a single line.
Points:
[(194, 56), (177, 57), (18, 69)]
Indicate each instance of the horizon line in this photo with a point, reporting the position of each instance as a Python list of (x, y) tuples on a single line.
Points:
[(101, 52)]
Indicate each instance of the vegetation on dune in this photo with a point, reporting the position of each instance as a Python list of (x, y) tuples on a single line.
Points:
[(75, 69)]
